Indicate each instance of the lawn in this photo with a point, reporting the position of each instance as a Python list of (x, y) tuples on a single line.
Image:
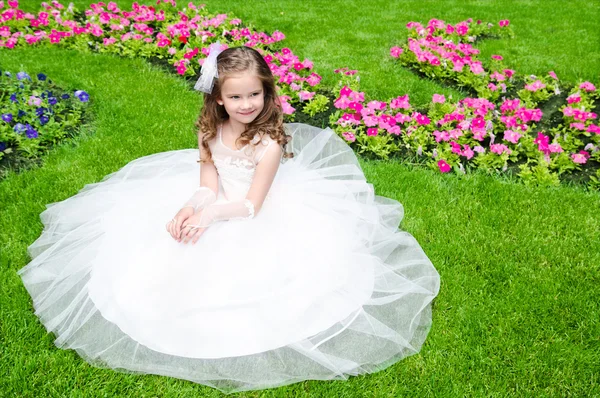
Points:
[(518, 311)]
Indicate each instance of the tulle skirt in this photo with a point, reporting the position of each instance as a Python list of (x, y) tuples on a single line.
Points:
[(321, 284)]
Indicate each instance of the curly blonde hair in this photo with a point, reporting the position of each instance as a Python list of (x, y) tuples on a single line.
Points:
[(270, 120)]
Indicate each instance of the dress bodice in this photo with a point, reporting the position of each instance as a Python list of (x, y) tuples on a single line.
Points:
[(236, 167)]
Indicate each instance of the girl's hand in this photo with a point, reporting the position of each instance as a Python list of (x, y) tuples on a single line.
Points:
[(189, 232), (174, 226)]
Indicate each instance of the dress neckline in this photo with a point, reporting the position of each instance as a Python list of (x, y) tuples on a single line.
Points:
[(220, 134)]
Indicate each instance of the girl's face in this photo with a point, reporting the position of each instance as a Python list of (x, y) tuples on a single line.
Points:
[(243, 97)]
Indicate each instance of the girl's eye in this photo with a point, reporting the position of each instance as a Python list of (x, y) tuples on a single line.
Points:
[(235, 97)]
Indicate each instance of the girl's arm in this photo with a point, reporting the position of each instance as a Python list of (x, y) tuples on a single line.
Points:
[(209, 182), (251, 205)]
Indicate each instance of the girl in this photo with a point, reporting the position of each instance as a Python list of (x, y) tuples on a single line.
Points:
[(283, 266)]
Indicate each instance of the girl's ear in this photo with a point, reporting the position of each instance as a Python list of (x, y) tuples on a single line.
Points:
[(219, 101)]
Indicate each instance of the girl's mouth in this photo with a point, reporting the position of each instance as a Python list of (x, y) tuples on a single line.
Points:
[(246, 113)]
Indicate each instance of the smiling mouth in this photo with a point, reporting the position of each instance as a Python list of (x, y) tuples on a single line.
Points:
[(246, 113)]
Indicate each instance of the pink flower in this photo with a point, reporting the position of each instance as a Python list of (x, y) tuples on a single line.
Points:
[(277, 35), (497, 57), (553, 75), (592, 128), (456, 148), (287, 108), (107, 41), (478, 123), (396, 51), (372, 131), (468, 152), (349, 136), (443, 166), (511, 136), (497, 76), (402, 118), (587, 86), (181, 69), (305, 95), (34, 101), (421, 119), (535, 86), (581, 157), (400, 102), (439, 98), (504, 22), (479, 149), (394, 130), (509, 72), (313, 79), (578, 126), (542, 142), (500, 149), (555, 148), (574, 98), (476, 68), (441, 135), (235, 21)]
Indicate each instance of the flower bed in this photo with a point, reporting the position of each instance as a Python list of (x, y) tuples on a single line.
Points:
[(36, 114), (540, 128)]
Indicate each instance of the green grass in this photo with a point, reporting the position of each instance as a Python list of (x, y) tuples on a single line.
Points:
[(518, 312)]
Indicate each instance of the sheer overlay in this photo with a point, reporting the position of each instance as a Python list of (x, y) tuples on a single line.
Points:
[(318, 284)]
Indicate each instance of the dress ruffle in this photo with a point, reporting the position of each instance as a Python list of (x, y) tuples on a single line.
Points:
[(319, 285)]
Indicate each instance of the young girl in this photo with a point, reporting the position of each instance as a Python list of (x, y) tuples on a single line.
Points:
[(282, 266)]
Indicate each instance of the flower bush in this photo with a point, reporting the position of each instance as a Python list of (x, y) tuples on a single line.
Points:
[(36, 114), (538, 127)]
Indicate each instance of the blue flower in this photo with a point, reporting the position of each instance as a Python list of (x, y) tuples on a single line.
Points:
[(7, 117), (65, 96), (44, 120), (13, 98), (19, 128), (31, 132), (52, 100), (82, 95), (23, 75), (7, 73), (40, 111), (21, 113), (41, 77), (2, 146)]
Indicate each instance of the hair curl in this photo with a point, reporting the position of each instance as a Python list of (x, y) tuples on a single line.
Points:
[(270, 120)]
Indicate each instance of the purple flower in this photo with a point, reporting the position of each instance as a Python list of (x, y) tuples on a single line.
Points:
[(31, 132), (19, 128), (41, 77), (65, 96), (82, 95), (2, 146), (44, 120), (13, 98), (40, 111), (52, 100), (7, 117), (22, 76), (21, 113)]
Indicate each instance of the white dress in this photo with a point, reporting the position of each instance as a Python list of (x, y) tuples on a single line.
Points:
[(321, 284)]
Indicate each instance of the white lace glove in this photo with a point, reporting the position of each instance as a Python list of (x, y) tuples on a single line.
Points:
[(240, 210), (202, 198)]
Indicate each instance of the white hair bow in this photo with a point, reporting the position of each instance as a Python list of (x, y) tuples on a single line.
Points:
[(209, 72)]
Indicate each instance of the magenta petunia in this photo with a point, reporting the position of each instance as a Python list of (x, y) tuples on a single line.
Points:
[(372, 131), (396, 51), (443, 166)]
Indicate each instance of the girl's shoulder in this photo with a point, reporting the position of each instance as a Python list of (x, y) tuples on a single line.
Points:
[(261, 144)]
